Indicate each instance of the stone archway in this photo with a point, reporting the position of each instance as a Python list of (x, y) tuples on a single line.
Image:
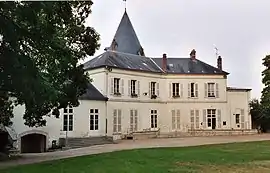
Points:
[(33, 141)]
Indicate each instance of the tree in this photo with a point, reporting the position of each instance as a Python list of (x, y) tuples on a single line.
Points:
[(255, 112), (40, 46), (265, 98)]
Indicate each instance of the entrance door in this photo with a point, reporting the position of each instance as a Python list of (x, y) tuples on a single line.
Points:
[(211, 118)]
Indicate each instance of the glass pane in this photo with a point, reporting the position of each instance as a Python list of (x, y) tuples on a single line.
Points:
[(71, 110), (96, 111), (70, 127), (65, 110), (96, 117), (91, 111)]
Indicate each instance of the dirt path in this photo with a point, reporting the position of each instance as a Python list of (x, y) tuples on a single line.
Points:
[(124, 145)]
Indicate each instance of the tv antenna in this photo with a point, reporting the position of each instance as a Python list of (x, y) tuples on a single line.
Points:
[(217, 51)]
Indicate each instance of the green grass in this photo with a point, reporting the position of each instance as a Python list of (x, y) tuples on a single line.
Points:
[(236, 158)]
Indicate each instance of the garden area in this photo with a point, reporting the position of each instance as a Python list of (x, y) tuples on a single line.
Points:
[(223, 158)]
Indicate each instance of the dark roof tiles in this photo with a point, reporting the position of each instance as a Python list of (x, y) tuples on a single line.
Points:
[(92, 94)]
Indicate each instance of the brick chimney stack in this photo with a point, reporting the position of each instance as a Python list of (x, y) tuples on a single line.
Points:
[(164, 62), (193, 54), (219, 63)]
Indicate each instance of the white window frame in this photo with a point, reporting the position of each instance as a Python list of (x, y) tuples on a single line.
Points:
[(117, 121), (68, 122), (133, 120), (116, 86), (154, 119), (153, 88), (211, 90), (176, 120), (94, 119), (193, 90), (210, 114), (133, 86)]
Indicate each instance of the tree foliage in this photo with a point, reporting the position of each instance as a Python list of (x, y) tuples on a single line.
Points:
[(255, 112), (40, 46)]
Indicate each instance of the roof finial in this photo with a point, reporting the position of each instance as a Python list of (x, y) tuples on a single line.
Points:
[(125, 1)]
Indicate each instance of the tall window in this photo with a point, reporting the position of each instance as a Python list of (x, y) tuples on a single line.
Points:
[(116, 85), (68, 119), (176, 119), (211, 89), (193, 90), (133, 87), (176, 90), (117, 120), (153, 88), (154, 119), (211, 118), (93, 119), (237, 118), (133, 120)]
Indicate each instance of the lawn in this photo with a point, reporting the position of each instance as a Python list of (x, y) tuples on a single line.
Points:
[(248, 157)]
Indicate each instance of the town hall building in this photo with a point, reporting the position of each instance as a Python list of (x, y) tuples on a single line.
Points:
[(133, 95)]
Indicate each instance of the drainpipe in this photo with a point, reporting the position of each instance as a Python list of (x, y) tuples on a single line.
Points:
[(106, 105)]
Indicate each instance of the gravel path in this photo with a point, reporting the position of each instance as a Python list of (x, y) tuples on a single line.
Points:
[(125, 145)]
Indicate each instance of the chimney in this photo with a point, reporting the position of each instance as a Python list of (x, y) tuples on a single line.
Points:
[(219, 63), (164, 62), (193, 54)]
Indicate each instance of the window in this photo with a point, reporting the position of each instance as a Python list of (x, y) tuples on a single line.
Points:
[(153, 118), (237, 118), (117, 120), (176, 120), (68, 119), (193, 90), (93, 119), (211, 118), (211, 89), (175, 92), (116, 86), (153, 88), (133, 120), (133, 87)]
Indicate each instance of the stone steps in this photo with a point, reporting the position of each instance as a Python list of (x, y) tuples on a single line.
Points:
[(86, 141)]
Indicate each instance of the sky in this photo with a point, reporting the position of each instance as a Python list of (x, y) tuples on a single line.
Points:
[(240, 29)]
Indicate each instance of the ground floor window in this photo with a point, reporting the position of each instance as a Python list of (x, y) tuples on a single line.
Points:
[(117, 120), (68, 119), (93, 119), (211, 118), (133, 120), (154, 119)]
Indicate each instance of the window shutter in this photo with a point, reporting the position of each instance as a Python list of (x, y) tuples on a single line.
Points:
[(173, 120), (204, 118), (192, 119), (170, 90), (138, 88), (196, 90), (136, 120), (217, 91), (157, 88), (119, 120), (129, 87), (181, 90), (122, 86), (178, 119), (197, 119), (189, 90), (219, 118), (114, 120), (205, 90), (112, 87), (149, 94), (131, 120), (242, 120)]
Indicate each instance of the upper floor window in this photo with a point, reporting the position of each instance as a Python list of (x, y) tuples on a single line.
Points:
[(153, 90), (193, 90), (134, 88), (211, 90), (175, 89), (117, 86), (68, 119)]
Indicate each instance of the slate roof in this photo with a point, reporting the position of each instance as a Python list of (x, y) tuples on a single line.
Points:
[(92, 94), (123, 61), (188, 66), (126, 38), (140, 63)]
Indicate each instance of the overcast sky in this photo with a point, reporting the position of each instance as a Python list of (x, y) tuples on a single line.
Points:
[(239, 28)]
